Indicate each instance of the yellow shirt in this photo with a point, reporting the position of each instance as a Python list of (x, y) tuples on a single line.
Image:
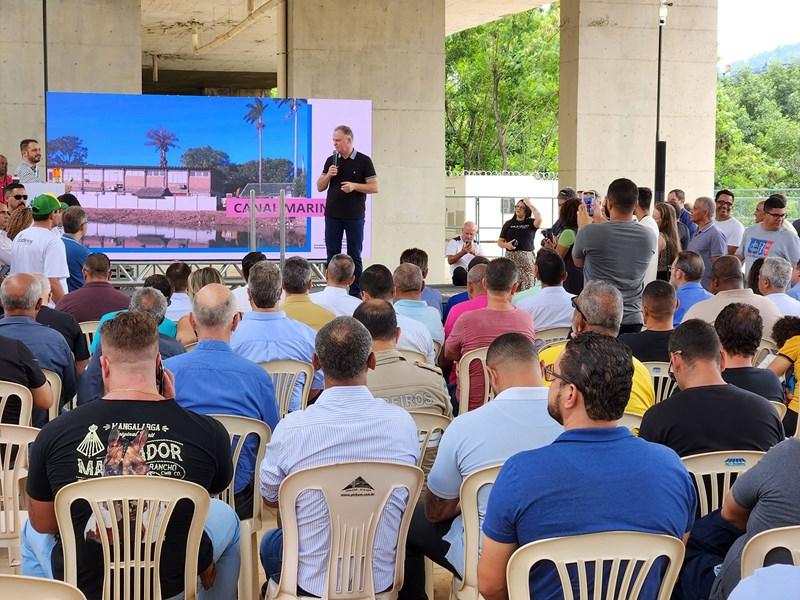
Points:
[(791, 350), (642, 394), (300, 308)]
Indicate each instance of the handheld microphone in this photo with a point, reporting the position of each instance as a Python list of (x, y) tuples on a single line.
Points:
[(335, 158)]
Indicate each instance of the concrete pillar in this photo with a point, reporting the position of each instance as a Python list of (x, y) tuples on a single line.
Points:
[(93, 46), (607, 107), (393, 54)]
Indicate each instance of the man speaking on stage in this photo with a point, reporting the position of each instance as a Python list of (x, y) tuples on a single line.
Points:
[(348, 176)]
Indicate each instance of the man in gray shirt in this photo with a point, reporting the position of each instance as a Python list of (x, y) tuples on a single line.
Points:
[(708, 241), (769, 238), (617, 251)]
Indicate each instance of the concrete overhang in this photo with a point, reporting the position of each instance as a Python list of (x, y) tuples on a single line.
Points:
[(464, 14)]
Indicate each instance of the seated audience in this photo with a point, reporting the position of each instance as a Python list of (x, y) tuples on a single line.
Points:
[(203, 379), (727, 285), (240, 293), (298, 304), (197, 281), (266, 333), (180, 303), (19, 365), (462, 296), (476, 289), (20, 295), (479, 328), (786, 335), (658, 306), (774, 581), (377, 283), (773, 281), (63, 323), (794, 290), (408, 284), (344, 424), (95, 296), (431, 296), (460, 251), (147, 300), (707, 414), (751, 280), (552, 306), (595, 477), (136, 414), (412, 385), (335, 297), (739, 329), (75, 222), (687, 271), (515, 420), (598, 309)]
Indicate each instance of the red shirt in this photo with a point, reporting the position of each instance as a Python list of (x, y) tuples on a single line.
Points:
[(462, 307), (92, 301)]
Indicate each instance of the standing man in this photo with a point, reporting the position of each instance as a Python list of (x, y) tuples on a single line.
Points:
[(28, 168), (645, 219), (729, 225), (677, 198), (461, 250), (708, 241), (5, 178), (75, 223), (348, 176), (770, 238), (5, 243), (15, 195)]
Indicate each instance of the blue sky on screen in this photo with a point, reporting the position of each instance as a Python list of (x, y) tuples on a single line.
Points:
[(113, 127)]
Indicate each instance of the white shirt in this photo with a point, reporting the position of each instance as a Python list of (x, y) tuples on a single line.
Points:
[(455, 245), (179, 306), (551, 307), (787, 306), (5, 248), (415, 336), (338, 301), (652, 269), (242, 301), (732, 229), (39, 250), (345, 424)]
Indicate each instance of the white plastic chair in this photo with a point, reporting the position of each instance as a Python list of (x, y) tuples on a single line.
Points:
[(765, 349), (12, 586), (14, 390), (631, 421), (14, 441), (430, 428), (437, 351), (285, 374), (89, 328), (239, 428), (553, 334), (413, 356), (756, 549), (54, 379), (663, 384), (779, 407), (467, 588), (355, 494), (479, 354), (624, 550), (133, 560), (707, 469)]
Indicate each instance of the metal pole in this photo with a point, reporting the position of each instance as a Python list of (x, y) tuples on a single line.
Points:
[(252, 208), (282, 224)]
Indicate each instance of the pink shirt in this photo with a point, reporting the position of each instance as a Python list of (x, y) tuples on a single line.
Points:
[(478, 329), (462, 307)]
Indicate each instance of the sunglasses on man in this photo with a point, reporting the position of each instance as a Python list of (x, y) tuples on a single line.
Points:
[(20, 196)]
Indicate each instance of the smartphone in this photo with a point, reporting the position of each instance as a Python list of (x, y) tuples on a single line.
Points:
[(160, 377), (589, 202)]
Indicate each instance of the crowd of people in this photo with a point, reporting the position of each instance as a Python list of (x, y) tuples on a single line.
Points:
[(634, 283)]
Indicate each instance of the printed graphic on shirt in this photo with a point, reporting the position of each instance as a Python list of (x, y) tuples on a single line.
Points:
[(758, 247)]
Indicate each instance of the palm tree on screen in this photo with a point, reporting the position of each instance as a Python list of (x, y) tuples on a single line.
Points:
[(255, 116), (163, 141), (294, 104)]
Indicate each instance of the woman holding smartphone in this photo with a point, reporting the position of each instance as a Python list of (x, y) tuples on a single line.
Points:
[(516, 238)]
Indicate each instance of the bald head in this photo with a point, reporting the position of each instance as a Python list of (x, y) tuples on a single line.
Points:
[(468, 231), (20, 295), (214, 314), (476, 281), (408, 280), (726, 274)]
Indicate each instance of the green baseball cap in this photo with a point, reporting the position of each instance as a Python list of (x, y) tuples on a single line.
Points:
[(44, 204)]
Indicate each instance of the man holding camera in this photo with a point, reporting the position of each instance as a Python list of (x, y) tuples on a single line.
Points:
[(461, 250)]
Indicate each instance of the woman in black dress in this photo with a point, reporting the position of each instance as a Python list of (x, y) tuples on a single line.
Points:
[(516, 237)]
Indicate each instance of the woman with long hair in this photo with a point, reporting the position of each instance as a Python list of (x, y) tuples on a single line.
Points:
[(568, 216), (669, 244), (20, 218), (516, 237)]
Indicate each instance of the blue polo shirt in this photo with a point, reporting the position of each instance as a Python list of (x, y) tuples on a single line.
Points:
[(420, 311), (262, 337), (76, 254), (433, 298), (203, 380), (588, 481), (689, 295)]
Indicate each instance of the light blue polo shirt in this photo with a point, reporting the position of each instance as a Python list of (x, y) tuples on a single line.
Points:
[(688, 295), (427, 315), (588, 481), (266, 336), (516, 420)]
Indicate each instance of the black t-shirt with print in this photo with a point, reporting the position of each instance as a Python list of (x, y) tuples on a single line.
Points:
[(522, 231), (18, 365), (357, 168), (128, 437)]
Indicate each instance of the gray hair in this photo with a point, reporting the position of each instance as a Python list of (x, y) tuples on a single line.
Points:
[(44, 285), (151, 301), (408, 278), (214, 315), (477, 274), (26, 301), (778, 271), (264, 284), (601, 305), (341, 268), (707, 204), (296, 275), (343, 347)]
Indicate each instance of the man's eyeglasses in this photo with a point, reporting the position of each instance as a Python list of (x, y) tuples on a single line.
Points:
[(551, 375), (777, 216), (20, 196), (578, 308), (723, 203)]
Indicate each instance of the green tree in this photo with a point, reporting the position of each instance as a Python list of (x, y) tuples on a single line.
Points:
[(204, 157), (163, 141), (66, 151), (255, 116)]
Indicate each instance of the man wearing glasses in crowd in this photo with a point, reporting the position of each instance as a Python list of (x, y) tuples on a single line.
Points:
[(15, 196), (770, 238), (5, 243), (729, 225)]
